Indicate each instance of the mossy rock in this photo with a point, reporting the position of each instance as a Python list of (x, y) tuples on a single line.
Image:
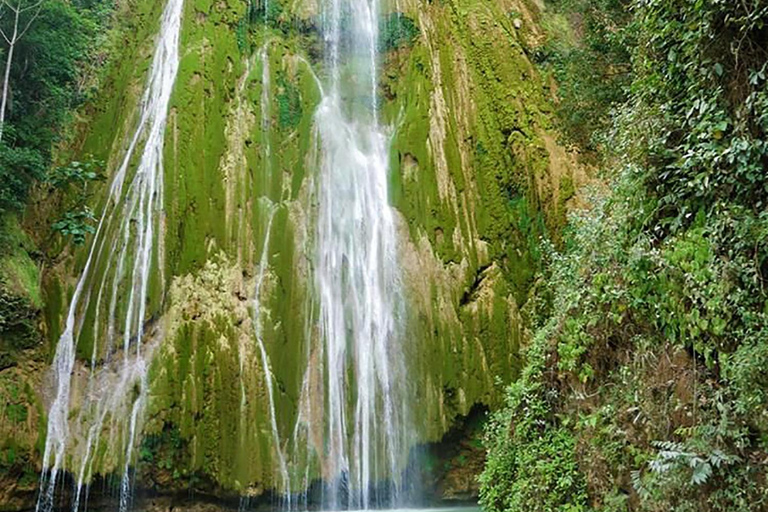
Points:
[(20, 296)]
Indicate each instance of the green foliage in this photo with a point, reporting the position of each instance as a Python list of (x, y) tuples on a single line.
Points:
[(593, 73), (162, 450), (651, 325), (702, 78), (19, 168), (619, 304), (45, 72), (76, 224), (396, 31), (45, 86), (77, 174), (531, 464), (269, 12), (700, 466), (73, 179)]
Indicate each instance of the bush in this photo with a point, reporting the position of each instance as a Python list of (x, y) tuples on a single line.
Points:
[(649, 358), (396, 31), (44, 89), (593, 73), (531, 463), (19, 168)]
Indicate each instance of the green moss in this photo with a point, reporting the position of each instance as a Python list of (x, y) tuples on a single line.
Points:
[(195, 194), (22, 274), (108, 117), (289, 103), (19, 446), (100, 132), (485, 121), (208, 414), (20, 295), (218, 443), (53, 298)]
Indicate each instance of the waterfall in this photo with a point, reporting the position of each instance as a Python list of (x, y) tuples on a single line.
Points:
[(121, 257), (354, 355), (356, 271)]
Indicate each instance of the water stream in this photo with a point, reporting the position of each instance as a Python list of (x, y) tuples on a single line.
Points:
[(268, 376), (361, 409), (357, 278), (119, 262)]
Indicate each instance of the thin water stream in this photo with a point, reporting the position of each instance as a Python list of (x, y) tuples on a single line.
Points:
[(120, 261)]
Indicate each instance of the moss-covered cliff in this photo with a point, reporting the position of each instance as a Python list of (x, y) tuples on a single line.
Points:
[(475, 177), (21, 366)]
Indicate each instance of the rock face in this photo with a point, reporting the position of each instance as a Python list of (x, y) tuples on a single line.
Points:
[(21, 368), (475, 179)]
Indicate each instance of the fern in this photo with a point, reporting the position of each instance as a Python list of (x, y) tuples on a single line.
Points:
[(702, 470), (639, 486), (675, 456)]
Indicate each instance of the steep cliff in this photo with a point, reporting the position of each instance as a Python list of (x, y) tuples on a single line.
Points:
[(476, 178)]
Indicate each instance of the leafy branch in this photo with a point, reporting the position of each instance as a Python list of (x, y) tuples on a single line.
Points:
[(74, 178)]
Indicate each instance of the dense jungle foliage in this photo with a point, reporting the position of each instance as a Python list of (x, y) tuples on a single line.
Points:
[(60, 49), (645, 385), (53, 70)]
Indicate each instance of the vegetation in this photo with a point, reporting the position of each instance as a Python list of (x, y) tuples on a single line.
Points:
[(397, 31), (644, 385), (78, 220), (289, 104), (47, 73), (589, 53), (51, 52)]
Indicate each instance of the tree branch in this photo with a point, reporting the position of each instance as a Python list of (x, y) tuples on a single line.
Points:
[(32, 18), (16, 10), (37, 6)]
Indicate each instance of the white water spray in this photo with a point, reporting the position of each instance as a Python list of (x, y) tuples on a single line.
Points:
[(126, 234), (357, 273)]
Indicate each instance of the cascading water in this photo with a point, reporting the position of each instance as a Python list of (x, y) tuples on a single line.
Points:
[(356, 273), (360, 409), (121, 257)]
